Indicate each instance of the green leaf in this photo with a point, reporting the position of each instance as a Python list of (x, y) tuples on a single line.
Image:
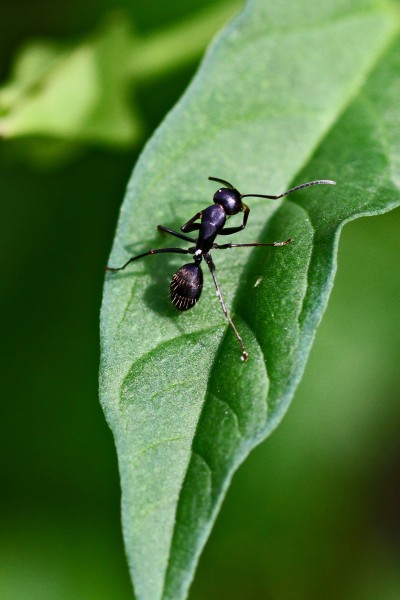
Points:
[(286, 94)]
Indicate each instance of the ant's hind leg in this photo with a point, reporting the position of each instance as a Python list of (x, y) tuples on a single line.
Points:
[(211, 266)]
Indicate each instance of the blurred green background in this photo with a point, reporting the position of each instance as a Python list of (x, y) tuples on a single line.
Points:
[(315, 511)]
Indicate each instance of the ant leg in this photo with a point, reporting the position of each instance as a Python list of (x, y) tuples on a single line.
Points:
[(176, 234), (211, 266), (191, 225), (231, 245), (159, 251), (230, 230)]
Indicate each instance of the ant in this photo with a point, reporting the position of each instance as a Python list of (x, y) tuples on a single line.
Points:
[(187, 283)]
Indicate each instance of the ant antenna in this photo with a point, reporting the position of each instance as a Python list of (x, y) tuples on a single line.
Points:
[(229, 185), (298, 187)]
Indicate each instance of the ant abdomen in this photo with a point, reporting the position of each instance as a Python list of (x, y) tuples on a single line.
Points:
[(186, 286)]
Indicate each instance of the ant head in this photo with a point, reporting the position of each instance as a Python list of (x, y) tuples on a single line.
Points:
[(229, 199)]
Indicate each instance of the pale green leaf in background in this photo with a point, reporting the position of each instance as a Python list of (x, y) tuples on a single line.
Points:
[(83, 92), (73, 94), (286, 94)]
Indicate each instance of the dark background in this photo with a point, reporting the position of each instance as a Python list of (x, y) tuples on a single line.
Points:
[(315, 510)]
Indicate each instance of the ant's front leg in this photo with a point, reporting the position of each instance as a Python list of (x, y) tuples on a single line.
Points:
[(191, 225), (230, 230)]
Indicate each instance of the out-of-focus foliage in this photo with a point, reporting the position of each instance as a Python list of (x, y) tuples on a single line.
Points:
[(83, 93), (77, 94), (312, 513)]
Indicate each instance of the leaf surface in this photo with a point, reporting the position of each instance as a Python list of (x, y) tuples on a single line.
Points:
[(286, 94)]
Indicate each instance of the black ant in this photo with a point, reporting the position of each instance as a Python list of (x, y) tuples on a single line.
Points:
[(187, 283)]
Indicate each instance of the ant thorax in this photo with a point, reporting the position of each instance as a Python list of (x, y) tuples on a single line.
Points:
[(212, 221)]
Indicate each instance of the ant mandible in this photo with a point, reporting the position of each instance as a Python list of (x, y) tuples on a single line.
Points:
[(187, 283)]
